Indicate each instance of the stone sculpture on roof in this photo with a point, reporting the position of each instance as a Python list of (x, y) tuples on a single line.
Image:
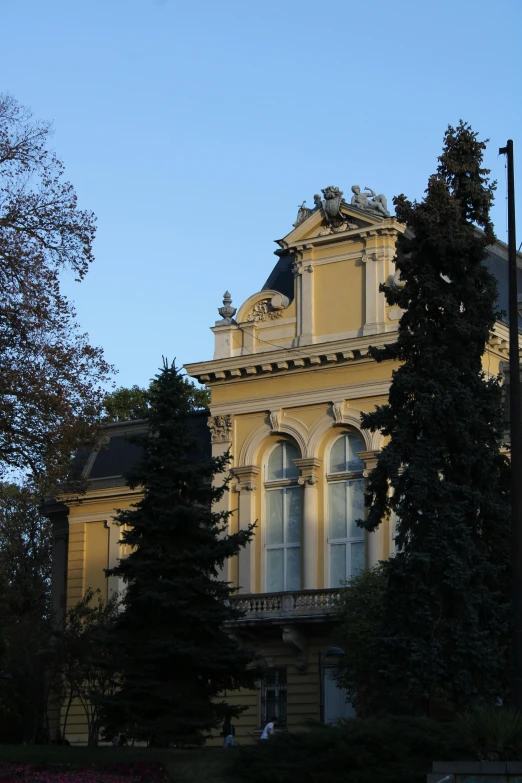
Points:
[(334, 219), (369, 200), (330, 206)]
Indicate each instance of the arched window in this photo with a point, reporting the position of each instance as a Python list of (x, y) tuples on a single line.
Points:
[(283, 520), (345, 506)]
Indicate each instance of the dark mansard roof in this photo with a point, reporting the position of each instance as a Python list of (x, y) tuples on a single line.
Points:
[(107, 465)]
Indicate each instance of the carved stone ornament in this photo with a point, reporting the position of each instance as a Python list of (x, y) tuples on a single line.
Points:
[(337, 410), (295, 638), (227, 312), (246, 476), (263, 310), (334, 220), (245, 486), (343, 225), (220, 428), (309, 467), (275, 417), (369, 201), (300, 267), (310, 480)]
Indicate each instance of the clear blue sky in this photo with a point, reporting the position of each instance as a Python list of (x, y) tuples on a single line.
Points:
[(194, 129)]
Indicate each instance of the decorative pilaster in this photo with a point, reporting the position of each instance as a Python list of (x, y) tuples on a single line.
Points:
[(221, 429), (373, 259), (375, 538), (245, 487), (309, 467), (303, 270)]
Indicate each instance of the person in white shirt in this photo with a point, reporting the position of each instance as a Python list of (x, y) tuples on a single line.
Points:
[(269, 729)]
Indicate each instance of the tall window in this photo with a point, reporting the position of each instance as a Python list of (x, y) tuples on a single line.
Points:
[(273, 696), (283, 520), (345, 506)]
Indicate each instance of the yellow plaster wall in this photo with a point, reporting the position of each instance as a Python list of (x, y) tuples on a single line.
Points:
[(75, 563), (491, 362), (335, 312), (97, 557), (331, 375), (245, 425)]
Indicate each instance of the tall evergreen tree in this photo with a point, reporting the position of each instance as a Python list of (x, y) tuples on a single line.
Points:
[(173, 650), (446, 617)]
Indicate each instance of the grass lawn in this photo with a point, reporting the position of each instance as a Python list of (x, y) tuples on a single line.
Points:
[(201, 765)]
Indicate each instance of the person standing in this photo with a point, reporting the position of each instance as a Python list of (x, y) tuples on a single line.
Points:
[(228, 733), (269, 729)]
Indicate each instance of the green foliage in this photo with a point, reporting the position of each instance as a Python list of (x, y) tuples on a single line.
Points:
[(391, 750), (125, 404), (361, 613), (51, 379), (446, 620), (79, 655), (174, 651), (496, 732), (25, 613), (199, 396)]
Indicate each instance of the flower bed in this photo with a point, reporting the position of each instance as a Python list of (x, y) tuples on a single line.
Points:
[(123, 772)]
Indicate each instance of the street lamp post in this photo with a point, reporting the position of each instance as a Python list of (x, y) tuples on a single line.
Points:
[(515, 429)]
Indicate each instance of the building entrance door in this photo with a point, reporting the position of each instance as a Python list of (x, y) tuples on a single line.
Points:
[(335, 704)]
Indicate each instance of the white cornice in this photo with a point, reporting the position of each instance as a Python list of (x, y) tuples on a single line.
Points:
[(295, 360)]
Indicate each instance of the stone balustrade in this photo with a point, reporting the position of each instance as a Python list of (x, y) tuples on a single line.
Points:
[(295, 604)]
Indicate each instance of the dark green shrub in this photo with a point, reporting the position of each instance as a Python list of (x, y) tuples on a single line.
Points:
[(389, 750), (496, 733)]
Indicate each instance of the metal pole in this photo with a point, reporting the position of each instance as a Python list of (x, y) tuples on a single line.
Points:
[(516, 442)]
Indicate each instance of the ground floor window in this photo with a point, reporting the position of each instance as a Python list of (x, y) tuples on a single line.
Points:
[(273, 696)]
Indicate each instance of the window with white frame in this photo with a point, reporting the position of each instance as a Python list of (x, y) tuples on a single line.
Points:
[(346, 548), (283, 520)]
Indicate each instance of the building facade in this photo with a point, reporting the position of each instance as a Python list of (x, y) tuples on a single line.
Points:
[(290, 377)]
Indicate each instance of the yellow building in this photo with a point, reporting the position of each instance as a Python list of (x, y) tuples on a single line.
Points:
[(290, 378)]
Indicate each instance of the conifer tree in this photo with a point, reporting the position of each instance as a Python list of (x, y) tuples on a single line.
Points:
[(174, 654), (445, 630)]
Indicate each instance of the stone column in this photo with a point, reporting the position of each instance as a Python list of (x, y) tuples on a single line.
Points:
[(246, 487), (309, 467), (376, 538)]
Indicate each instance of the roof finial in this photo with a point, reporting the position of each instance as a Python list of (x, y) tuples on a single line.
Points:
[(227, 312)]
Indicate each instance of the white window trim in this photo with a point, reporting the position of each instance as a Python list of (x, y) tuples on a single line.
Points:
[(279, 484), (341, 477)]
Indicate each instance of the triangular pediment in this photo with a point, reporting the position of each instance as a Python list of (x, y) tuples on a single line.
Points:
[(317, 224)]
